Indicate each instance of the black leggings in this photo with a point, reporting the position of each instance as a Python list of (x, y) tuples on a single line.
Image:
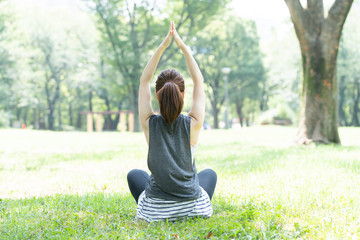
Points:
[(137, 180)]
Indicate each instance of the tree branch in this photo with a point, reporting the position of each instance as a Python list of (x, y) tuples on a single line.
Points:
[(55, 76), (179, 25), (315, 8), (110, 36), (148, 25), (334, 23), (338, 13), (133, 36), (297, 17), (147, 32)]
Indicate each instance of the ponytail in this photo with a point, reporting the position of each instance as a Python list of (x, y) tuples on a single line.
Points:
[(171, 101)]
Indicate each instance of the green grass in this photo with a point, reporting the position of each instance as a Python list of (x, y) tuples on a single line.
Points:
[(73, 186)]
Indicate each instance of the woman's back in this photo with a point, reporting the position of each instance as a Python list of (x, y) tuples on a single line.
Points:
[(174, 175)]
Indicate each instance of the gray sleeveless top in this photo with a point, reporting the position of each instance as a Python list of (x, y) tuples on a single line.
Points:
[(173, 175)]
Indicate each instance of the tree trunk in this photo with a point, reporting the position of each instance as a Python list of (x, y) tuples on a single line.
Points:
[(79, 120), (355, 115), (342, 92), (52, 99), (59, 118), (79, 117), (215, 113), (319, 39), (18, 113), (91, 106), (116, 122), (264, 99), (319, 113), (70, 115), (239, 107), (51, 119), (108, 120), (41, 118), (135, 107), (35, 119), (215, 100), (110, 123), (25, 117)]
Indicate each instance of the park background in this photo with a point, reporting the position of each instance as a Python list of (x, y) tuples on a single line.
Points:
[(60, 60), (63, 58)]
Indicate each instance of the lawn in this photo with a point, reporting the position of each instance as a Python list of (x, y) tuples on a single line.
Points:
[(72, 185)]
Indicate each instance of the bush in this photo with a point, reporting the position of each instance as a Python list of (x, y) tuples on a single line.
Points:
[(281, 115)]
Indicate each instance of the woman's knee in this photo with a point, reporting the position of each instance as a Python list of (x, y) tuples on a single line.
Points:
[(209, 172), (136, 174), (132, 174)]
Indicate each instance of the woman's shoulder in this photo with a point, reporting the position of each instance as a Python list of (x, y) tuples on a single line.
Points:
[(181, 118), (155, 117), (185, 117)]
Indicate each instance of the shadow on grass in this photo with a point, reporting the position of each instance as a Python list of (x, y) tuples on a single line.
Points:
[(111, 216)]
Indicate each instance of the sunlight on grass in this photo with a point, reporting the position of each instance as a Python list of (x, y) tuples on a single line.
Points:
[(74, 185)]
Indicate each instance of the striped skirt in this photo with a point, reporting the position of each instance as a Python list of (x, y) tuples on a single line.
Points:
[(155, 209)]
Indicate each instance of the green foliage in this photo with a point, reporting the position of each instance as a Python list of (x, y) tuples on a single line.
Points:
[(6, 64), (53, 55), (230, 41), (131, 29), (348, 73), (97, 57), (283, 70)]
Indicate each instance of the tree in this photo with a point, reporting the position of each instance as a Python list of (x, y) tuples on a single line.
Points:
[(49, 65), (282, 61), (348, 71), (349, 84), (248, 75), (133, 28), (58, 59), (235, 46), (319, 40), (6, 66), (112, 93)]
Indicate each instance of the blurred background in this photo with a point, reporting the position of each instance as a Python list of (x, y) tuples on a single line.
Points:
[(75, 64)]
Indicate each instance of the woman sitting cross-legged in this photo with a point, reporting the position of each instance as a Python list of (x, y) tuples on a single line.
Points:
[(174, 189)]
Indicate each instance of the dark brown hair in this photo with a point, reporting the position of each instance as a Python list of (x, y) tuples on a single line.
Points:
[(169, 86)]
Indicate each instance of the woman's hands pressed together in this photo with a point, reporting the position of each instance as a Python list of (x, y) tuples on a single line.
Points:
[(177, 38), (173, 33), (168, 37)]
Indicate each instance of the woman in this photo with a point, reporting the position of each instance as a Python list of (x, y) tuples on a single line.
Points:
[(174, 189)]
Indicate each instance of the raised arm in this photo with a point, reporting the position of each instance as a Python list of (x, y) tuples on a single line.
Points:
[(197, 112), (145, 108)]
